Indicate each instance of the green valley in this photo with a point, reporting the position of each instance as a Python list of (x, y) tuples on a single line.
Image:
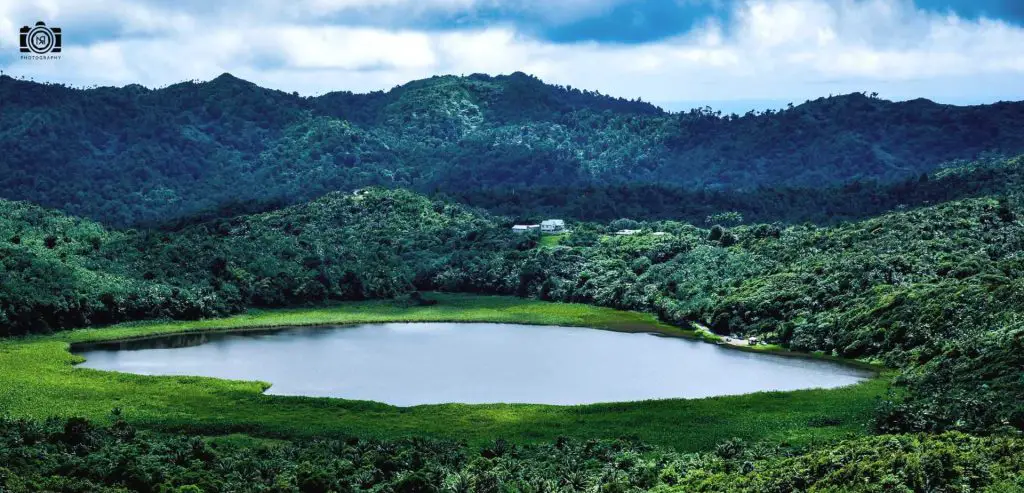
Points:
[(883, 235)]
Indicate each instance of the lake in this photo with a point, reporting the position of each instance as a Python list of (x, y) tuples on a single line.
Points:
[(429, 363)]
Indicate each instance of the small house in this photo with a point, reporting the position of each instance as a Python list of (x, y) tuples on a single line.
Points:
[(659, 233), (552, 226), (627, 232), (525, 228)]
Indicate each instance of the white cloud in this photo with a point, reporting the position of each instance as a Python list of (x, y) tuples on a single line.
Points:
[(772, 49), (348, 48)]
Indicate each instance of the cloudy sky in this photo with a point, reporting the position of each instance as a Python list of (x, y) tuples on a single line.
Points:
[(731, 54)]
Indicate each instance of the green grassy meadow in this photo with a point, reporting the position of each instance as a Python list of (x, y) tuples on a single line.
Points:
[(550, 241), (38, 379)]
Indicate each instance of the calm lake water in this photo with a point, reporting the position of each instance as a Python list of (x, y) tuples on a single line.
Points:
[(427, 363)]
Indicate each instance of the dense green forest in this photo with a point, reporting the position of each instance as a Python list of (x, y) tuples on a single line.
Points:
[(988, 175), (935, 291), (77, 455), (132, 155)]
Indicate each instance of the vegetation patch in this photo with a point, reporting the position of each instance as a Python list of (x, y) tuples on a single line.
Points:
[(552, 240), (80, 455)]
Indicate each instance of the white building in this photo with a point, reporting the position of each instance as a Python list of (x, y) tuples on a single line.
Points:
[(552, 226), (627, 232), (523, 228)]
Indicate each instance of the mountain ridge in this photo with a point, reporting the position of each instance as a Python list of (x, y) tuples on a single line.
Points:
[(132, 155), (227, 78)]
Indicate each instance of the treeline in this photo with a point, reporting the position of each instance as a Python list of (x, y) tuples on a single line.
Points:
[(825, 205), (130, 156), (78, 455)]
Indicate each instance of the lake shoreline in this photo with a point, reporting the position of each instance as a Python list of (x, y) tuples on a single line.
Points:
[(646, 323), (38, 379)]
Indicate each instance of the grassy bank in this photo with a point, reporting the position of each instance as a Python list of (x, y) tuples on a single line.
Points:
[(38, 379)]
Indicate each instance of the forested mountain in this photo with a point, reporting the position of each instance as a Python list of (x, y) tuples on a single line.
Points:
[(134, 155)]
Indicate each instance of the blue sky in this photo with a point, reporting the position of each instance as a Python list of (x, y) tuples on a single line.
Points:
[(730, 54)]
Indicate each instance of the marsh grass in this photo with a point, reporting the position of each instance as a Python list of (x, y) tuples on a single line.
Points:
[(38, 379)]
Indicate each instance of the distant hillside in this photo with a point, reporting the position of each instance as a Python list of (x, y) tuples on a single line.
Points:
[(58, 272), (825, 205), (133, 155)]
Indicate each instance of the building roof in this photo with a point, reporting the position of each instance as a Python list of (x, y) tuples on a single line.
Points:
[(627, 231), (553, 222)]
